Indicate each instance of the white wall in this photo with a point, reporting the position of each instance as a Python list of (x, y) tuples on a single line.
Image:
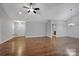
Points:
[(35, 29), (61, 28), (0, 30), (49, 31), (73, 31), (6, 30)]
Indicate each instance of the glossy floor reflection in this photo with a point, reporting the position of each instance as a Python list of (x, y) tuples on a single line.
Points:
[(40, 46)]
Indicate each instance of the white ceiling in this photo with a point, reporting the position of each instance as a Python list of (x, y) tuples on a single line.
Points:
[(53, 11)]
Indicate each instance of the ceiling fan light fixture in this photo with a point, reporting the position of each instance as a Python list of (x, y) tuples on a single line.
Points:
[(71, 24), (31, 9)]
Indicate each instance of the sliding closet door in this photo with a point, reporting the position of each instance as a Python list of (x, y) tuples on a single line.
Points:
[(19, 28)]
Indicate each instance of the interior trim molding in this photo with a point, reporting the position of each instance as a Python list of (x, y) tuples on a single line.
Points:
[(35, 36), (7, 39)]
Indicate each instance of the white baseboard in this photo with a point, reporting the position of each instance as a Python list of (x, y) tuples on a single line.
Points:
[(69, 36), (34, 36), (49, 36), (7, 39), (74, 36), (61, 35)]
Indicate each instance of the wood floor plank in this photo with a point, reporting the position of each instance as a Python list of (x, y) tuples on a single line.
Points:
[(39, 46)]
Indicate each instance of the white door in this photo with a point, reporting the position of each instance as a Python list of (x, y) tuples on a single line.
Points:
[(19, 28)]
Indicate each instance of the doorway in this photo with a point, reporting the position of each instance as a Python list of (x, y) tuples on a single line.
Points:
[(53, 29), (19, 28)]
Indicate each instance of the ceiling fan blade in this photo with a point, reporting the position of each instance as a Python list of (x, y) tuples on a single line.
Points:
[(36, 8), (28, 11), (25, 7), (34, 12)]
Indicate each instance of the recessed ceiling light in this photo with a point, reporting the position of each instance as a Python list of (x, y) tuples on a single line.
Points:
[(20, 12)]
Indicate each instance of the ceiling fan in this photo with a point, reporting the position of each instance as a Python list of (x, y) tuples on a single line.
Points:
[(31, 9)]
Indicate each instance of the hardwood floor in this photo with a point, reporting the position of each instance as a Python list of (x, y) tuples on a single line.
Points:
[(40, 46)]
